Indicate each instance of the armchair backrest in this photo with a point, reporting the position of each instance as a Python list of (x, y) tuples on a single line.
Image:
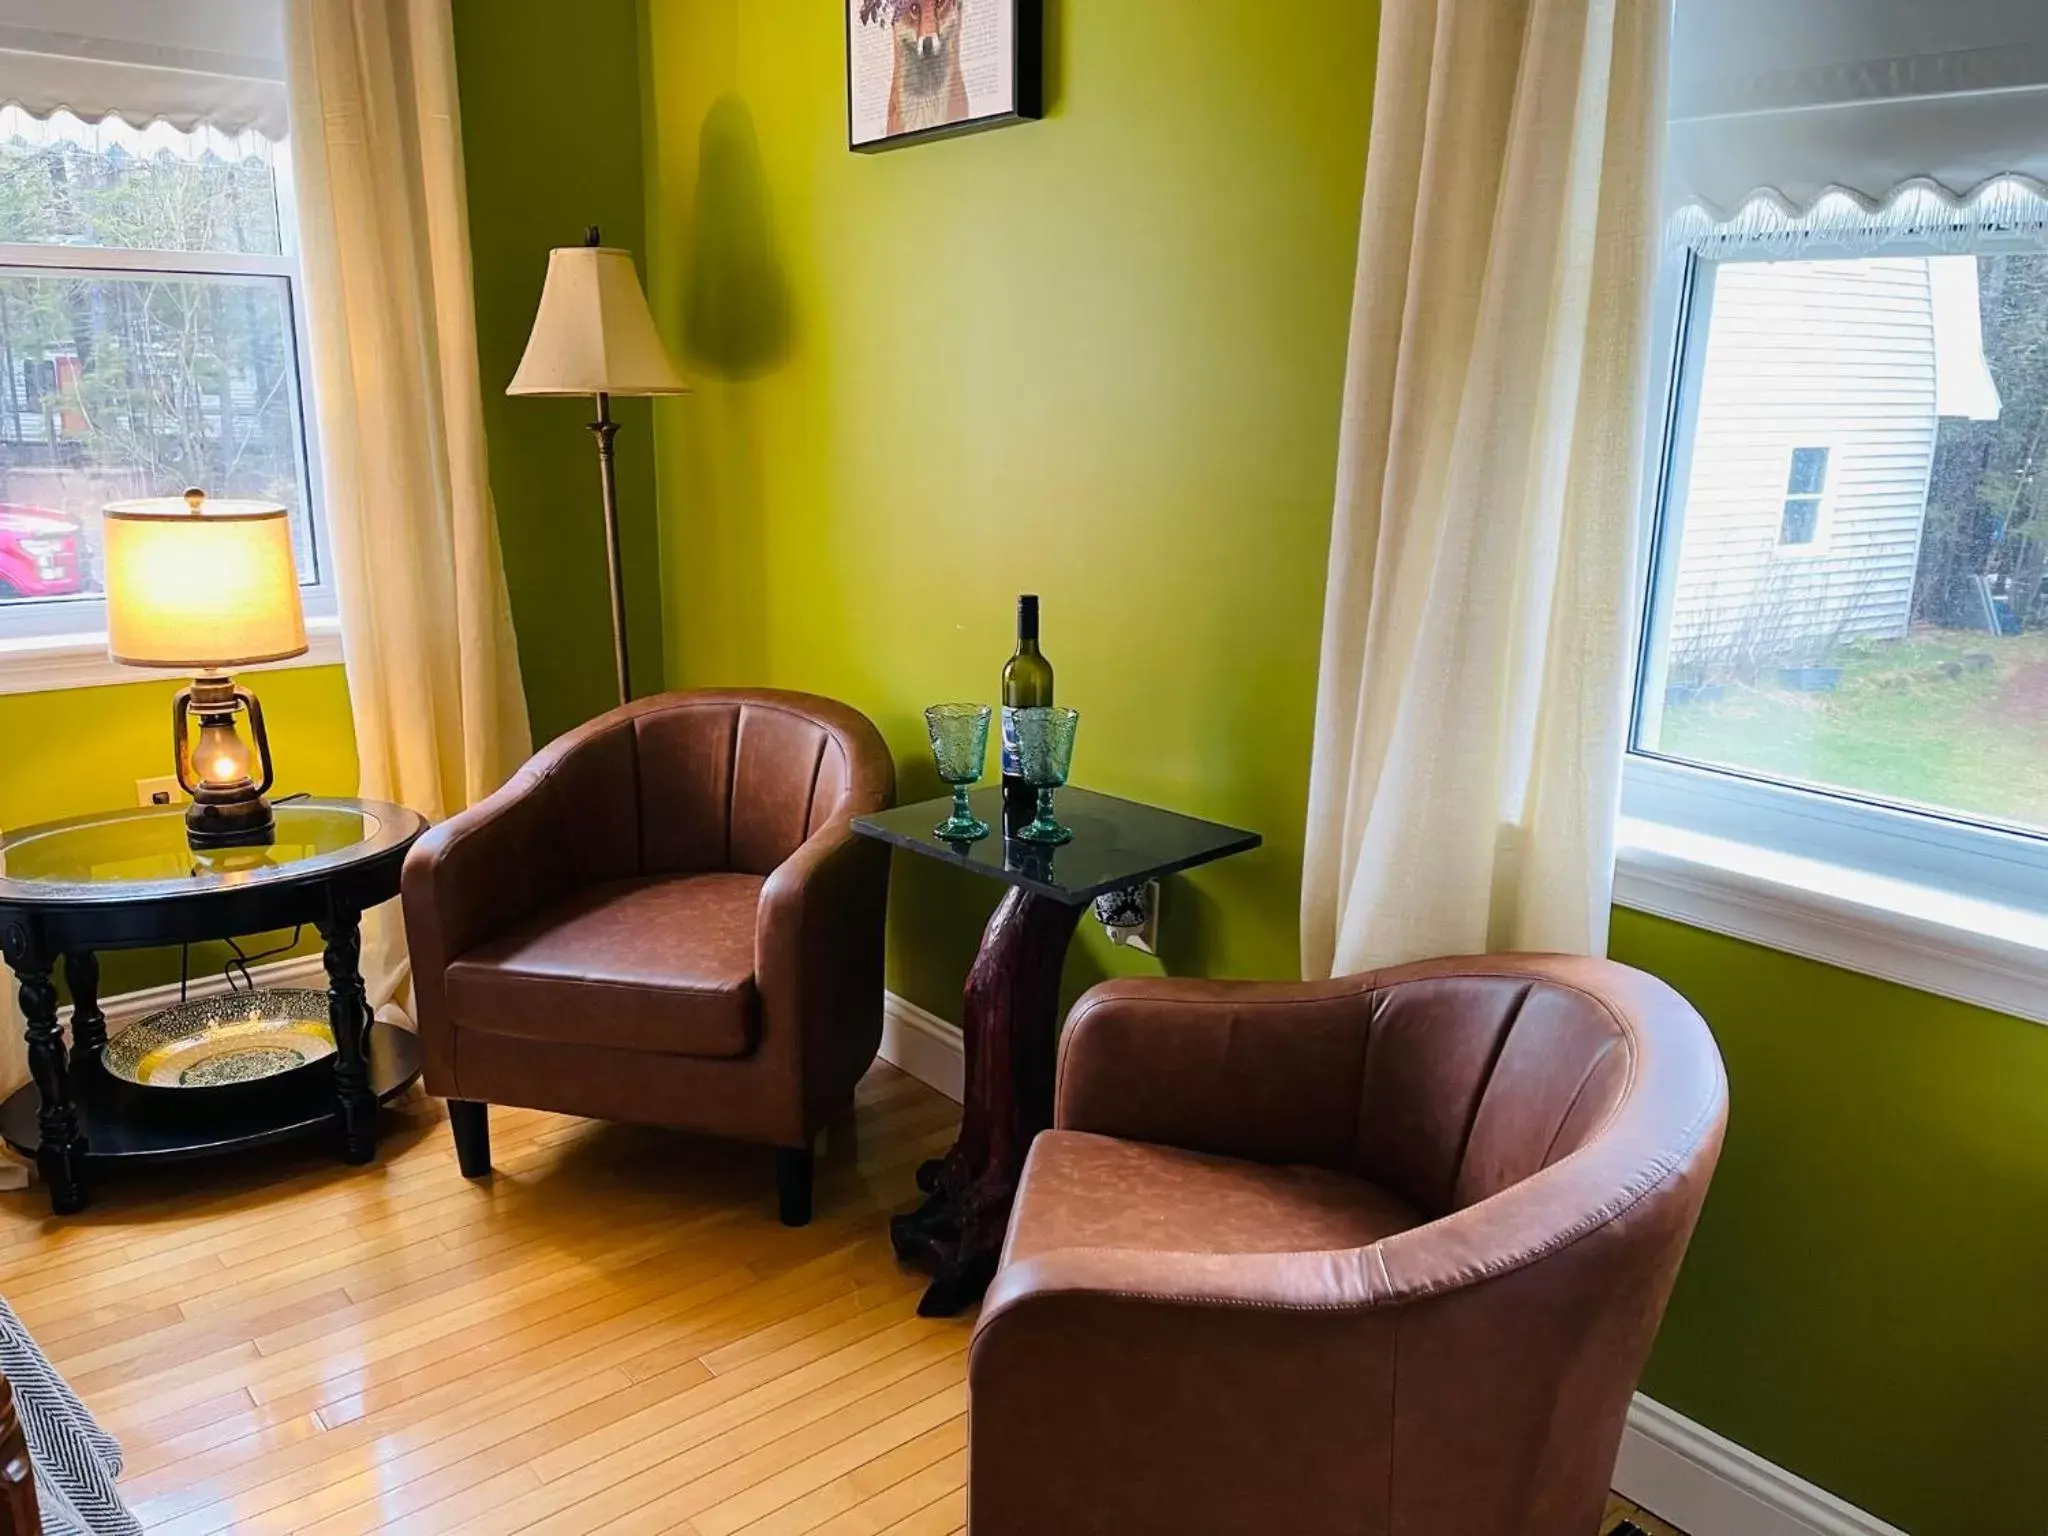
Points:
[(736, 781), (1474, 1083), (683, 783)]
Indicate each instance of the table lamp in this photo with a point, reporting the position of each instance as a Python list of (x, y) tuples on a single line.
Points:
[(200, 586), (594, 335)]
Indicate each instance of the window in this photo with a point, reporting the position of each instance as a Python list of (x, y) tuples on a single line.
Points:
[(1840, 738), (1806, 486), (150, 339), (1903, 658)]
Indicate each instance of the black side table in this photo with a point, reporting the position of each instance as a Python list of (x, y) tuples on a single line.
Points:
[(128, 880), (1012, 1006)]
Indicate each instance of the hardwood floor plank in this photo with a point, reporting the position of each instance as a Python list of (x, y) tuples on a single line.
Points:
[(942, 1517), (897, 1502), (834, 1496)]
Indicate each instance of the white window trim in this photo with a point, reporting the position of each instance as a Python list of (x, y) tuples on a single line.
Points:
[(1946, 906), (38, 657), (52, 663)]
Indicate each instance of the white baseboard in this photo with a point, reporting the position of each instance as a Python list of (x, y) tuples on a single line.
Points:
[(919, 1042), (1680, 1471), (1706, 1485)]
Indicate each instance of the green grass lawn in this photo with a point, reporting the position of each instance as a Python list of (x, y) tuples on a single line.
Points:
[(1941, 718)]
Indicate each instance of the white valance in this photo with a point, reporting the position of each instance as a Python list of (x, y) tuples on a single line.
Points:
[(213, 62), (1780, 104)]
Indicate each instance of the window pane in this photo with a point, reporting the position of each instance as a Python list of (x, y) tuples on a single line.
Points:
[(65, 182), (1802, 519), (1905, 656), (113, 386), (1809, 475)]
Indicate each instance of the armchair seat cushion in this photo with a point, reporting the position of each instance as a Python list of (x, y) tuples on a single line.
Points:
[(661, 964), (1086, 1191)]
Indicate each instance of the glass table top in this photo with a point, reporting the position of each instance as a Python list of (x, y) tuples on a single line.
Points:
[(143, 853), (1117, 843)]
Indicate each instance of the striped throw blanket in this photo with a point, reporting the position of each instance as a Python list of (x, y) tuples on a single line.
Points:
[(75, 1460)]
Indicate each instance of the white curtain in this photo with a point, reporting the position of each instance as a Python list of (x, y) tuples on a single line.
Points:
[(426, 627), (1480, 609), (13, 1070)]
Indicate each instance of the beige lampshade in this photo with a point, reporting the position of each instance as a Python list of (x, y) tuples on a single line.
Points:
[(594, 334), (193, 590)]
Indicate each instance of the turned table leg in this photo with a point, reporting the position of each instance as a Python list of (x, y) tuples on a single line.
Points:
[(348, 1014), (88, 1023), (1011, 1037), (60, 1149)]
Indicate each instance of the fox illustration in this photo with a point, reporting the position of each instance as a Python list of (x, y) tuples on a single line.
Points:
[(929, 90)]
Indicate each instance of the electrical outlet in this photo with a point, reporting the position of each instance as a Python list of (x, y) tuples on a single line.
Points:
[(1131, 917), (163, 791)]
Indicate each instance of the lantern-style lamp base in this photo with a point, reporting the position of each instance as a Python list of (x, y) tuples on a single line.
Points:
[(228, 809)]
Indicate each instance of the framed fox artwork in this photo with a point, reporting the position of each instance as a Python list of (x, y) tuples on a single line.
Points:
[(927, 69)]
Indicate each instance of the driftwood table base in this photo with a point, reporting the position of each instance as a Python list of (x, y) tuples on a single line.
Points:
[(1012, 1037)]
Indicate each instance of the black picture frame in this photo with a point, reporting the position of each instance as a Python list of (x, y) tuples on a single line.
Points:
[(1027, 95)]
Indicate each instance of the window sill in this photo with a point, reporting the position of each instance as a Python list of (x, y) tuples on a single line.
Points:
[(57, 662), (1975, 951)]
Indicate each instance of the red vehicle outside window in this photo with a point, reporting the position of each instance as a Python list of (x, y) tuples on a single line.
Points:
[(39, 554)]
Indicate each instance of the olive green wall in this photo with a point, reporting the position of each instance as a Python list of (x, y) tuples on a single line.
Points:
[(551, 137), (1864, 1301), (81, 750), (1097, 357)]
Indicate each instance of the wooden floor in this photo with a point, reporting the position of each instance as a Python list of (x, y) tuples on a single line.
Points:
[(614, 1334)]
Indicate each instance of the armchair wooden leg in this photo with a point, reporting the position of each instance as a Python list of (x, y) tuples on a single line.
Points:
[(793, 1169), (471, 1123)]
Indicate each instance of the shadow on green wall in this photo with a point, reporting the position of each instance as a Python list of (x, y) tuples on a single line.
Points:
[(736, 309), (738, 327)]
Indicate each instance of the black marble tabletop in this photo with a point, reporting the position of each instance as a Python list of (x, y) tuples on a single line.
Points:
[(1117, 843)]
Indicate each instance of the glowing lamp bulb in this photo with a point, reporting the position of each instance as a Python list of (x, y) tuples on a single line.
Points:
[(221, 756)]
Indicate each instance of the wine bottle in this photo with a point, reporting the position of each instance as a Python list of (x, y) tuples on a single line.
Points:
[(1027, 684)]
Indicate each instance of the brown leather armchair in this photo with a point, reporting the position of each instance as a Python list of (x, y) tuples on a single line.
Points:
[(664, 918), (1381, 1256)]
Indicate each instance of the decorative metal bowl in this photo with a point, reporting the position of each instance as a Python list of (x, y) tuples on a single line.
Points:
[(221, 1042)]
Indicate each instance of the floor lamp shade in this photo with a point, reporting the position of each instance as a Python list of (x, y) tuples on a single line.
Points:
[(594, 334), (198, 585)]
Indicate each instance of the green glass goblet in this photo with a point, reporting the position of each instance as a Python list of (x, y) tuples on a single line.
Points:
[(1045, 751), (959, 735)]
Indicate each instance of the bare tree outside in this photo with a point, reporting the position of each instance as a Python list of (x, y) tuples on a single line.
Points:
[(120, 383)]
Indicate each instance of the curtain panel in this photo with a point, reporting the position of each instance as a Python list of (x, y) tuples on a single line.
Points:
[(433, 674), (1481, 604)]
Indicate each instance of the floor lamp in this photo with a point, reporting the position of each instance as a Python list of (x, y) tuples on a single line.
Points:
[(593, 335)]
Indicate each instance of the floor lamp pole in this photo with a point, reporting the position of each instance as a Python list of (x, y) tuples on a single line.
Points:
[(604, 429)]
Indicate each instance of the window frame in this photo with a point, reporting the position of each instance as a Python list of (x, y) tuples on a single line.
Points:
[(1821, 542), (1930, 897), (62, 642)]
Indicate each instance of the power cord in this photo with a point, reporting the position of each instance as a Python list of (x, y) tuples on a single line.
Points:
[(240, 962)]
